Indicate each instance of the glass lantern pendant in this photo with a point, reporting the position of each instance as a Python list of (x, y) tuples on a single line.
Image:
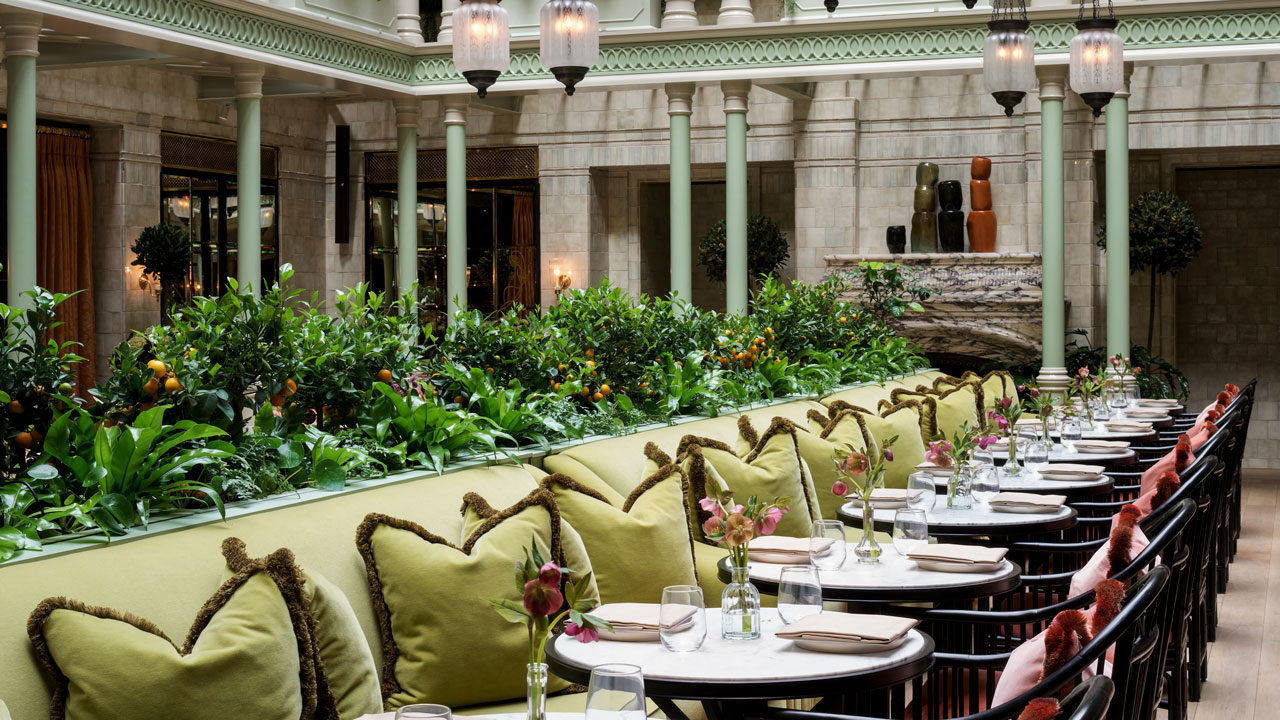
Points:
[(569, 42), (1097, 62), (1008, 62), (481, 42)]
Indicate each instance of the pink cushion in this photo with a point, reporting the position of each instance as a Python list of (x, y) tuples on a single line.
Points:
[(1169, 462), (1200, 437), (1099, 566), (1021, 672)]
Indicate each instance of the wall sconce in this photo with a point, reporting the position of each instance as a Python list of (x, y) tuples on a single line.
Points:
[(563, 280)]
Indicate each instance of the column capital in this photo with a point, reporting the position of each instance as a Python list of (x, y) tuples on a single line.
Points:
[(248, 78), (1128, 73), (407, 112), (21, 32), (735, 95), (1052, 81), (680, 98), (455, 109)]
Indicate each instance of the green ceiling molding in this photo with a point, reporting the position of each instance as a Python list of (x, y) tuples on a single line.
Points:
[(204, 19)]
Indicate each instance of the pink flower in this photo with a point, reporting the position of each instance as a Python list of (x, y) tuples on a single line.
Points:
[(1084, 372), (1126, 361), (855, 463), (584, 634), (1115, 361), (1022, 388), (549, 575), (988, 441), (888, 455), (1002, 422), (840, 488), (1034, 392), (937, 453), (540, 600), (712, 526), (738, 530), (1137, 370), (1005, 402), (769, 522)]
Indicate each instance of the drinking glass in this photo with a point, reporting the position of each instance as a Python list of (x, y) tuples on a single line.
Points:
[(799, 592), (986, 457), (910, 530), (423, 712), (1098, 410), (1117, 402), (676, 633), (928, 487), (1071, 433), (1037, 455), (986, 484), (833, 530), (615, 692), (1131, 396)]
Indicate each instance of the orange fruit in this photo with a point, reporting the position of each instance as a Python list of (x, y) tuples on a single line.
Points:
[(24, 440), (290, 387), (152, 387), (597, 397), (15, 407), (585, 392), (277, 400), (591, 353), (591, 363), (172, 385), (158, 367), (384, 375), (844, 319), (605, 390), (458, 399)]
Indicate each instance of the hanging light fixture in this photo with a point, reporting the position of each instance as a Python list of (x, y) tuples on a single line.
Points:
[(481, 42), (1008, 55), (1097, 58), (831, 5), (569, 43)]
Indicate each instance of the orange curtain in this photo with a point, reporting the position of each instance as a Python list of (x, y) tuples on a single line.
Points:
[(523, 273), (64, 242)]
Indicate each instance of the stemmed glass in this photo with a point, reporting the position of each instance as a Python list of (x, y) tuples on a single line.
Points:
[(799, 592), (910, 530), (833, 559), (1070, 433), (676, 633), (615, 692), (423, 712), (986, 484), (1131, 396), (928, 487)]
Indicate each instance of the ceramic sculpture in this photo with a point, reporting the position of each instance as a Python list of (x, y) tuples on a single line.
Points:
[(951, 218), (896, 239), (982, 221), (924, 223)]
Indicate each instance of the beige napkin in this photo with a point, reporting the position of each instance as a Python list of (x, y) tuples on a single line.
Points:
[(1020, 498), (932, 469), (1100, 444), (1147, 413), (886, 495), (1127, 425), (1072, 469), (964, 554), (781, 545), (639, 616), (848, 627), (1158, 402)]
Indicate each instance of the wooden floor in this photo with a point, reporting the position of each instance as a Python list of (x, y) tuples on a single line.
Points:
[(1244, 664)]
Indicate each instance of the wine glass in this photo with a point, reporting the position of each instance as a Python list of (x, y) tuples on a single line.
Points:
[(1131, 396), (1117, 402), (1070, 433), (1037, 455), (910, 530), (928, 487), (986, 457), (799, 592), (423, 712), (822, 557), (678, 631), (986, 484), (615, 692)]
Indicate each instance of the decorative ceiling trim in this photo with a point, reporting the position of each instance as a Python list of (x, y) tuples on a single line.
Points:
[(752, 50)]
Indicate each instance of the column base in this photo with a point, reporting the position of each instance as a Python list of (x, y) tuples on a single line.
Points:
[(1054, 381), (678, 14), (735, 12), (1130, 382)]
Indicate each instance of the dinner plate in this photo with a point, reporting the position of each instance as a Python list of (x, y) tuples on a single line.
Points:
[(777, 558), (954, 567), (1026, 509), (1069, 476), (881, 504), (847, 648)]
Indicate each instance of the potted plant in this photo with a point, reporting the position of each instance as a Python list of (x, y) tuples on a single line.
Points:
[(164, 253), (767, 249)]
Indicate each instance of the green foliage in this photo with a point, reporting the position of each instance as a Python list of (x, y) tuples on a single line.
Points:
[(432, 435), (164, 252), (1163, 233), (889, 290), (767, 248), (1156, 377)]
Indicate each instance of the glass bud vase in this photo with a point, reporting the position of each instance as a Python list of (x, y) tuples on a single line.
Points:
[(868, 550), (1012, 467), (536, 690), (1099, 411), (740, 607), (960, 489), (1045, 435)]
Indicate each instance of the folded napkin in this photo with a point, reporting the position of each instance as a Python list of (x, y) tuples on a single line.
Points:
[(780, 545), (1146, 413), (1072, 469), (1021, 498), (641, 616), (1100, 444), (964, 554), (1127, 425), (1158, 402), (932, 469), (849, 627), (886, 495)]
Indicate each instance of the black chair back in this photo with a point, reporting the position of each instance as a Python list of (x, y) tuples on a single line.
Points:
[(1089, 701)]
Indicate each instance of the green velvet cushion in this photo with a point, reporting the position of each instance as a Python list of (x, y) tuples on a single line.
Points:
[(962, 405), (637, 545), (4, 711), (902, 421), (341, 649), (430, 599), (818, 446), (242, 657)]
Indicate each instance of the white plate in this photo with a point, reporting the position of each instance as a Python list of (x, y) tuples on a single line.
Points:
[(1100, 450), (954, 567), (1026, 509), (881, 504), (1069, 477), (774, 558), (848, 648)]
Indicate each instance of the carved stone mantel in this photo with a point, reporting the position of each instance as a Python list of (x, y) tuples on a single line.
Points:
[(984, 305)]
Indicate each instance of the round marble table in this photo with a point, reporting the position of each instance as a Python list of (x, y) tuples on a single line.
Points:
[(978, 520), (893, 579), (1118, 458), (727, 672), (1030, 481)]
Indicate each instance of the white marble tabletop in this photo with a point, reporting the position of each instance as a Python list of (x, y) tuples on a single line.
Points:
[(894, 571), (979, 514), (768, 659), (1060, 453), (490, 716), (1031, 481)]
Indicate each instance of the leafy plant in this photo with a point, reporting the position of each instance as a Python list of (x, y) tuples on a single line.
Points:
[(164, 252), (889, 290), (431, 434), (767, 248)]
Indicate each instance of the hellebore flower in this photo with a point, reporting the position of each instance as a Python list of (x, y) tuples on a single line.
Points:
[(541, 600), (840, 488), (549, 575), (738, 530), (855, 463), (712, 526), (769, 522), (988, 441), (1005, 402), (888, 455), (937, 453), (1084, 372), (584, 634), (712, 506)]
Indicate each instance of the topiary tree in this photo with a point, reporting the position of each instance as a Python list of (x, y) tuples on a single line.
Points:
[(164, 252), (1164, 238), (767, 248)]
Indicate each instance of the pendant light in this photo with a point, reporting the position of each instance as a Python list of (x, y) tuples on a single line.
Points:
[(1008, 55), (569, 42), (1097, 58), (481, 42)]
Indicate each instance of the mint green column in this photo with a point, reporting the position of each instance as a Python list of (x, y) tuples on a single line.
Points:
[(406, 195), (735, 194), (680, 107), (1118, 225), (455, 138), (1053, 371), (249, 179), (20, 33)]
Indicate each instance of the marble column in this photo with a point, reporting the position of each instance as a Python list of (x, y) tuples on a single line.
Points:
[(1053, 370), (735, 193), (679, 108), (407, 195), (21, 43), (408, 21), (735, 12), (455, 132), (248, 80), (1117, 211), (678, 14), (446, 20)]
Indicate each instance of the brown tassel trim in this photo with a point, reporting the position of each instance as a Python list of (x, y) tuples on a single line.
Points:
[(1128, 516), (840, 406), (1110, 596), (867, 440), (821, 420), (1233, 390), (1063, 639), (282, 569), (1182, 454), (747, 431), (777, 427), (1040, 709), (927, 422), (1119, 548), (371, 522), (655, 453), (979, 397), (1166, 485), (1224, 398)]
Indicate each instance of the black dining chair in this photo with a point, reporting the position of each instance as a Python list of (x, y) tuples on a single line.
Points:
[(1089, 701)]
